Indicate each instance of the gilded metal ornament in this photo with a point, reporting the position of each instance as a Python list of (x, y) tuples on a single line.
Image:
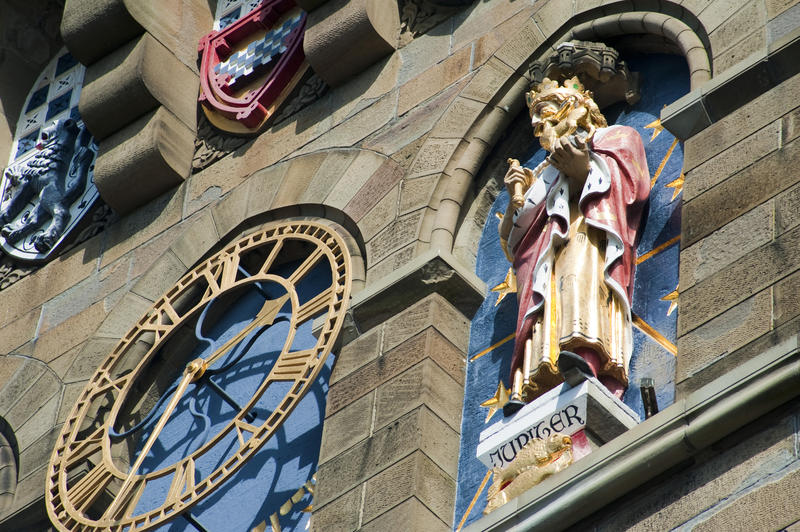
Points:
[(94, 480), (536, 461)]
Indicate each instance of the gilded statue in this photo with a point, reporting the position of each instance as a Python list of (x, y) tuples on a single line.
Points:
[(570, 232)]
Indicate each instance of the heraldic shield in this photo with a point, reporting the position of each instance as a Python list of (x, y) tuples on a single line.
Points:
[(47, 185), (250, 65)]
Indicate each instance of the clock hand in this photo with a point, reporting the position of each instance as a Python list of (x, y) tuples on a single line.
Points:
[(193, 371), (265, 316)]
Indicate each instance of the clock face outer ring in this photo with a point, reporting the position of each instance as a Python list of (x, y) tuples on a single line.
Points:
[(217, 275)]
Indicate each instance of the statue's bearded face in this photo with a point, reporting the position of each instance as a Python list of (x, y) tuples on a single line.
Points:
[(555, 116)]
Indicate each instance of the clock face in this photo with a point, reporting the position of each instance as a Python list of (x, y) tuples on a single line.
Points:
[(201, 383)]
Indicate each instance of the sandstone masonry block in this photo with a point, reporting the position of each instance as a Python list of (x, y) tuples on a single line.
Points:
[(356, 354), (753, 43), (262, 186), (38, 453), (414, 476), (34, 398), (516, 51), (786, 303), (341, 514), (433, 156), (488, 81), (93, 28), (433, 80), (423, 384), (434, 311), (737, 282), (751, 16), (392, 363), (346, 427), (230, 211), (69, 333), (413, 124), (362, 461), (398, 234), (380, 215), (133, 81), (362, 167), (739, 194), (335, 164), (296, 179), (551, 16), (743, 153), (761, 509), (458, 119), (359, 126), (164, 273), (726, 245), (384, 179), (724, 334), (717, 12), (741, 123), (410, 515), (40, 422), (197, 238), (19, 331), (416, 193)]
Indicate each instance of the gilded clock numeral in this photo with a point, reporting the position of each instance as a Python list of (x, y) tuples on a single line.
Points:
[(306, 266), (314, 306), (183, 481), (273, 254), (162, 321), (125, 503), (241, 428), (292, 366), (104, 383), (83, 494), (83, 449)]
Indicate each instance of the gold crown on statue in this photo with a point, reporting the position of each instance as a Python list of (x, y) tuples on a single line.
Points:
[(549, 89)]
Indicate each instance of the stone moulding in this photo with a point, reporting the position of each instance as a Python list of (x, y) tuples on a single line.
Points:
[(506, 87), (665, 440)]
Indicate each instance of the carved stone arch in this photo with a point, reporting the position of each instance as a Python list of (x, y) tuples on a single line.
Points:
[(496, 93), (9, 466)]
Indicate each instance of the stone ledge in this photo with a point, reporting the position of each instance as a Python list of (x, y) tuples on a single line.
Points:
[(432, 271), (143, 160), (737, 86), (659, 443), (131, 82), (345, 37)]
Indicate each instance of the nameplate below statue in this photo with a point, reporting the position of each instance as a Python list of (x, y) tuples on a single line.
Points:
[(566, 410)]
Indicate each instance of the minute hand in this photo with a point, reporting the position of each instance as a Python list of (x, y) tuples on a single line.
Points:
[(265, 316)]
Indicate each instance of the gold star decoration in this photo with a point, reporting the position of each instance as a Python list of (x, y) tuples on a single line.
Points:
[(499, 215), (497, 402), (677, 186), (508, 286), (672, 297), (656, 127)]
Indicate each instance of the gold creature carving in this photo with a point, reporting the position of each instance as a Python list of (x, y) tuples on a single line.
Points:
[(536, 461)]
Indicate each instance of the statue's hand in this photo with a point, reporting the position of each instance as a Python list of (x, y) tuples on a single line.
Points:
[(517, 180), (571, 160)]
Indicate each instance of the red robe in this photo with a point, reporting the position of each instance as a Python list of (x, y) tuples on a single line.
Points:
[(612, 199)]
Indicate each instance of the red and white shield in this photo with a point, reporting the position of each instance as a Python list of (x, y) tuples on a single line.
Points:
[(249, 67)]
